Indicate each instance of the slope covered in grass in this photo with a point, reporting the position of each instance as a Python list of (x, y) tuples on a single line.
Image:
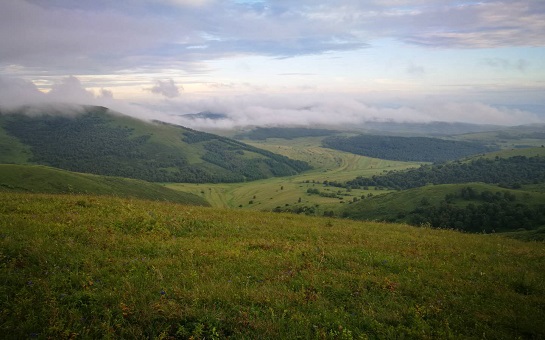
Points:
[(473, 207), (95, 140), (98, 267), (42, 179)]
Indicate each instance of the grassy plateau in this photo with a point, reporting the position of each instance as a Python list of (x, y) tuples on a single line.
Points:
[(89, 267)]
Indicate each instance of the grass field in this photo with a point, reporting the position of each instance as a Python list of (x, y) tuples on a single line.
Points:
[(12, 150), (329, 165), (43, 179), (99, 267)]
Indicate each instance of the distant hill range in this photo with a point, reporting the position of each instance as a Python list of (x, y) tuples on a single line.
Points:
[(96, 140), (424, 149), (206, 115), (431, 128), (370, 127), (260, 133)]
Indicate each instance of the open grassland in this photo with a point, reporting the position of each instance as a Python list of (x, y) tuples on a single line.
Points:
[(329, 165), (271, 193), (43, 179), (97, 267)]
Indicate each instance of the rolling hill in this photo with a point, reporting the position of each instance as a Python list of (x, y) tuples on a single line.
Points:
[(473, 207), (96, 140), (509, 170), (42, 179), (74, 266)]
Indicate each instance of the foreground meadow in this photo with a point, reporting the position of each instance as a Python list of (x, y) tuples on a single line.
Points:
[(98, 267)]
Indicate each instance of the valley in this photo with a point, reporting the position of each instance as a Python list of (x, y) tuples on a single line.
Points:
[(329, 165), (318, 243), (272, 170)]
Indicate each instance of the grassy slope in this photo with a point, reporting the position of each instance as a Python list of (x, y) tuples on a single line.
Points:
[(162, 134), (42, 179), (164, 146), (97, 267), (11, 149), (387, 207), (329, 165)]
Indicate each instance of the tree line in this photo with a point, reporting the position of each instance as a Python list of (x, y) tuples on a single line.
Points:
[(507, 172), (413, 149), (493, 212)]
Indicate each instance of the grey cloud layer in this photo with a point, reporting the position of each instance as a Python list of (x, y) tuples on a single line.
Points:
[(103, 36)]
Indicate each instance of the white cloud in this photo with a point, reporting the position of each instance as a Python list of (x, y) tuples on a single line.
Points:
[(331, 110), (267, 110), (70, 88), (166, 88), (133, 41), (16, 92), (105, 93)]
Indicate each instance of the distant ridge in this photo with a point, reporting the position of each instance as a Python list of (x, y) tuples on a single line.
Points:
[(431, 128), (206, 115), (261, 133)]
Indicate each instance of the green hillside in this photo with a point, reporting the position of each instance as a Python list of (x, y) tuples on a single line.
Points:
[(41, 179), (97, 267), (508, 172), (99, 141), (473, 207)]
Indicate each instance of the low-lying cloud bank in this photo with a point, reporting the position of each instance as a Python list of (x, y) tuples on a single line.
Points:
[(263, 109)]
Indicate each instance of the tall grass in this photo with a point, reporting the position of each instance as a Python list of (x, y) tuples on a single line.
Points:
[(97, 267)]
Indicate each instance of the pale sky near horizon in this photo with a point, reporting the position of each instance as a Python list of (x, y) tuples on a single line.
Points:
[(280, 62)]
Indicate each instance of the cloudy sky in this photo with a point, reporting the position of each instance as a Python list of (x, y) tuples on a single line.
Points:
[(280, 62)]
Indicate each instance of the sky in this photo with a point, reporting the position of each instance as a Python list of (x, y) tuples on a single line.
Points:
[(280, 62)]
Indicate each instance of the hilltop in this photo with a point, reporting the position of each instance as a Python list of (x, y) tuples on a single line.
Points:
[(99, 267), (96, 140)]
